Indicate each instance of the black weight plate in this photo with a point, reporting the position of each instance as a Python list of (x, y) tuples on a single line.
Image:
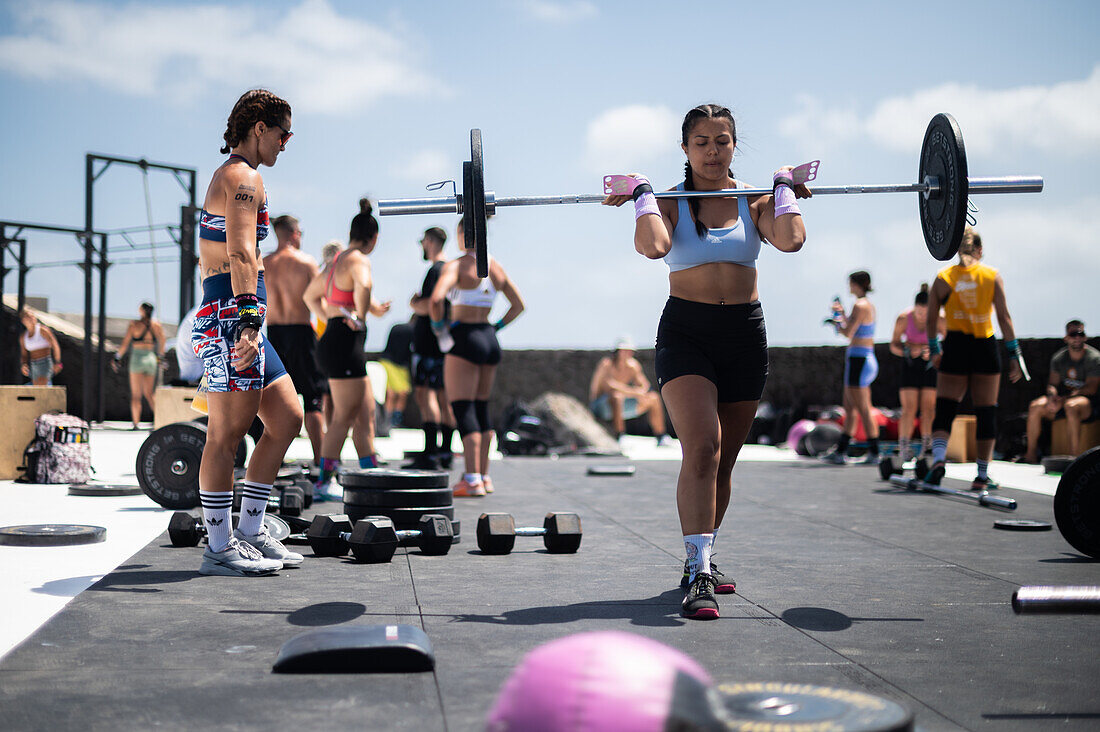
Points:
[(277, 527), (1021, 525), (1057, 463), (1077, 503), (625, 470), (387, 478), (101, 489), (51, 535), (781, 706), (403, 518), (467, 206), (943, 215), (168, 464), (398, 497), (477, 175)]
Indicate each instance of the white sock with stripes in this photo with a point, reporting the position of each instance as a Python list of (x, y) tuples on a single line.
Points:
[(253, 504)]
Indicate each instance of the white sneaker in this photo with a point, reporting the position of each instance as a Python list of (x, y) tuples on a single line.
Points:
[(664, 441), (270, 548), (238, 560)]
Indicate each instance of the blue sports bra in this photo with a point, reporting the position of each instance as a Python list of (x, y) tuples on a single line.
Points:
[(866, 330), (212, 226), (739, 243)]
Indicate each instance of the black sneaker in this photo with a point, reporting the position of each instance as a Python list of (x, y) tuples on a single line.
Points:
[(723, 585), (984, 484), (699, 602), (423, 461), (935, 473)]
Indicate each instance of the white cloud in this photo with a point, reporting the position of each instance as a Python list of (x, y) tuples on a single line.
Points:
[(322, 61), (1061, 118), (427, 166), (560, 12), (627, 139)]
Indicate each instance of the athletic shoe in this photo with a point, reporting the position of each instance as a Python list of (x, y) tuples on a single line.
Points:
[(872, 458), (935, 473), (487, 483), (463, 489), (443, 459), (699, 602), (238, 560), (834, 458), (984, 484), (270, 548), (322, 492), (424, 461), (722, 584), (664, 441)]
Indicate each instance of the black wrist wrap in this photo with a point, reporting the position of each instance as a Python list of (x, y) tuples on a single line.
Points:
[(783, 180), (641, 189), (248, 314)]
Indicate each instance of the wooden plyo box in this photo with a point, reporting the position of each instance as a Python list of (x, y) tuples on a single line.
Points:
[(962, 445), (173, 404), (1089, 436), (21, 405)]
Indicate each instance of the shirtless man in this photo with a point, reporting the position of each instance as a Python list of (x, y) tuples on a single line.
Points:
[(287, 272), (620, 391)]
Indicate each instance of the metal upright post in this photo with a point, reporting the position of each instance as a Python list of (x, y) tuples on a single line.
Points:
[(101, 357), (188, 260), (89, 367)]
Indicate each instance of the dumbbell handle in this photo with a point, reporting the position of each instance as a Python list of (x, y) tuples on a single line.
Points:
[(408, 534), (1056, 600), (530, 531)]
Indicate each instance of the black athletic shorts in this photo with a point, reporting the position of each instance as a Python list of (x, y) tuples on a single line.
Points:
[(476, 343), (340, 352), (726, 344), (427, 371), (963, 354), (296, 345), (916, 373)]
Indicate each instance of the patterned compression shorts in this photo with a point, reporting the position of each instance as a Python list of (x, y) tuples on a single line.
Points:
[(212, 339)]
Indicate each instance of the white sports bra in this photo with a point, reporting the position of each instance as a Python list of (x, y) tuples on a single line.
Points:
[(37, 341), (481, 296)]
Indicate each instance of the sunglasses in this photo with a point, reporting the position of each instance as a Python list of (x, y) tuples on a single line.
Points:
[(287, 134), (1076, 334)]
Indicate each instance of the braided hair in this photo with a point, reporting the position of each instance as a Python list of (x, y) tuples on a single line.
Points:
[(255, 105), (703, 111)]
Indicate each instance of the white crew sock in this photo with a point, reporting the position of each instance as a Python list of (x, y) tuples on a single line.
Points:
[(253, 504), (698, 548), (216, 510)]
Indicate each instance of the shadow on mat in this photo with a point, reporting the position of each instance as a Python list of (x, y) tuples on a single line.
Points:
[(662, 611), (118, 581), (311, 616), (826, 620), (1068, 558)]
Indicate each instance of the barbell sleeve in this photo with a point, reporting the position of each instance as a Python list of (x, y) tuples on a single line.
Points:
[(1065, 600)]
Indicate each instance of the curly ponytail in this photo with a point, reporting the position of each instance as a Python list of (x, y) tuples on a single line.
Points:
[(255, 105)]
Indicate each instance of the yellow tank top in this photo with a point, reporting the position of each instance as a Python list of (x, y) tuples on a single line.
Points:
[(969, 308)]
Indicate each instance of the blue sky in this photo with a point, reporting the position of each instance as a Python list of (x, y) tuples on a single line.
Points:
[(384, 95)]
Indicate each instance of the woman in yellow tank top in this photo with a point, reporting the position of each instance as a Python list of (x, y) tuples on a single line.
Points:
[(970, 293)]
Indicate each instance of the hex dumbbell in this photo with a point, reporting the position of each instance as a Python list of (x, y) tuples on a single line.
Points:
[(497, 532), (374, 538)]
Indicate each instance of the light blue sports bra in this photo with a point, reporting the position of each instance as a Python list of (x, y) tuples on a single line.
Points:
[(739, 243)]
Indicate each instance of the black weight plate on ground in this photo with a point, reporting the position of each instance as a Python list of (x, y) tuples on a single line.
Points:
[(387, 478), (467, 206), (168, 464), (51, 535), (398, 497), (763, 707), (102, 489), (403, 518), (1057, 463), (625, 470), (943, 215), (823, 437), (477, 174), (1021, 525), (1077, 503)]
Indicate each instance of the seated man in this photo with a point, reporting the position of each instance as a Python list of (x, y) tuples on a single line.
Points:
[(1071, 391), (620, 391)]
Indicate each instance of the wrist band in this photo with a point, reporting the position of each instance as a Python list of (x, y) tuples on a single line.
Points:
[(439, 324), (499, 324), (248, 313), (1013, 346), (781, 178), (934, 345), (645, 204), (785, 201)]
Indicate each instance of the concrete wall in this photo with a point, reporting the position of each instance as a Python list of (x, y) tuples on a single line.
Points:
[(800, 377)]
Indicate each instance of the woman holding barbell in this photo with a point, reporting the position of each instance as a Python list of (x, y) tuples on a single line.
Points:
[(244, 375), (970, 293), (712, 351), (470, 364)]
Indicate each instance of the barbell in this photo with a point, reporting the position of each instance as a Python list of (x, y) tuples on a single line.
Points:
[(943, 187)]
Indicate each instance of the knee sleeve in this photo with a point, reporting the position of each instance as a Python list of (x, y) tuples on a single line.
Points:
[(985, 422), (945, 414), (481, 409), (465, 417)]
